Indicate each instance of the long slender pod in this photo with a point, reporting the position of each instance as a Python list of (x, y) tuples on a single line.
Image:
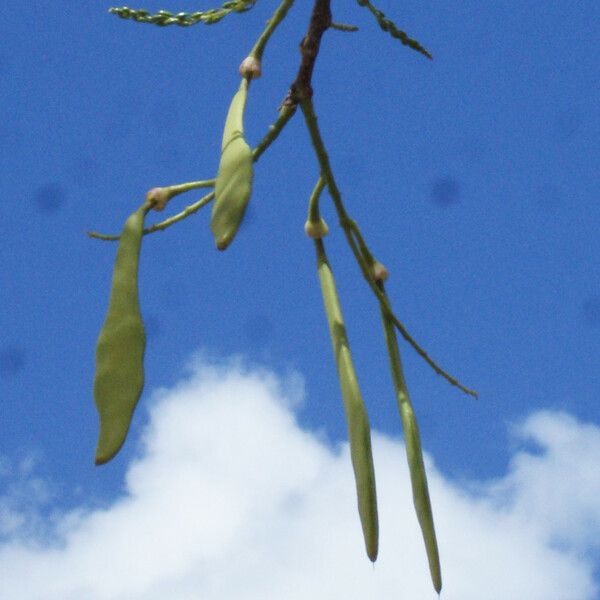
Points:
[(359, 431), (233, 185), (119, 376), (414, 453)]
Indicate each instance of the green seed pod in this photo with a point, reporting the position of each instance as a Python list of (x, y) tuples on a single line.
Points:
[(234, 179), (359, 431), (120, 351), (421, 500), (414, 455)]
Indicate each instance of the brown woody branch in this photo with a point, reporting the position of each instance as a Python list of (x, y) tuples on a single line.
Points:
[(320, 22)]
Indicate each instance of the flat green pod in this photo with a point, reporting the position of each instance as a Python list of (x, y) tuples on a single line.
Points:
[(119, 378), (233, 185), (359, 431), (414, 456)]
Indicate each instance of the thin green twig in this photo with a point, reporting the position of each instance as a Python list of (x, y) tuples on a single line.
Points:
[(164, 17), (343, 27), (390, 27), (313, 204), (362, 245), (366, 260), (386, 307), (349, 227), (286, 113), (186, 212), (181, 188), (278, 16)]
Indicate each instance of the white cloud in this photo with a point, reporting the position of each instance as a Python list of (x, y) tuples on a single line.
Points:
[(231, 499), (24, 495)]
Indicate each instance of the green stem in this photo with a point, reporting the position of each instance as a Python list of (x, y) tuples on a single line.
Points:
[(285, 114), (186, 212), (349, 227), (181, 188), (314, 215), (278, 16), (343, 27), (384, 302), (362, 245)]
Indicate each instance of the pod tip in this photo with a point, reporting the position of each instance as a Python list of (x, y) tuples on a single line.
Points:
[(102, 459), (222, 243)]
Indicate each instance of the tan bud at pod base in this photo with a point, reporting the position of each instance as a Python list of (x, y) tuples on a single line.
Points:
[(316, 230), (158, 198), (379, 272), (250, 68)]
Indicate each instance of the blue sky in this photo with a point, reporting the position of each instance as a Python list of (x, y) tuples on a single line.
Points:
[(474, 177)]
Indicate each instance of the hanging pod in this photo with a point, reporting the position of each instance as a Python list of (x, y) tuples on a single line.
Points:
[(414, 455), (119, 375), (234, 179), (359, 431)]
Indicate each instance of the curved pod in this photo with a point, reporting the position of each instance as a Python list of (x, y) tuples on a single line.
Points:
[(233, 185), (119, 378)]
